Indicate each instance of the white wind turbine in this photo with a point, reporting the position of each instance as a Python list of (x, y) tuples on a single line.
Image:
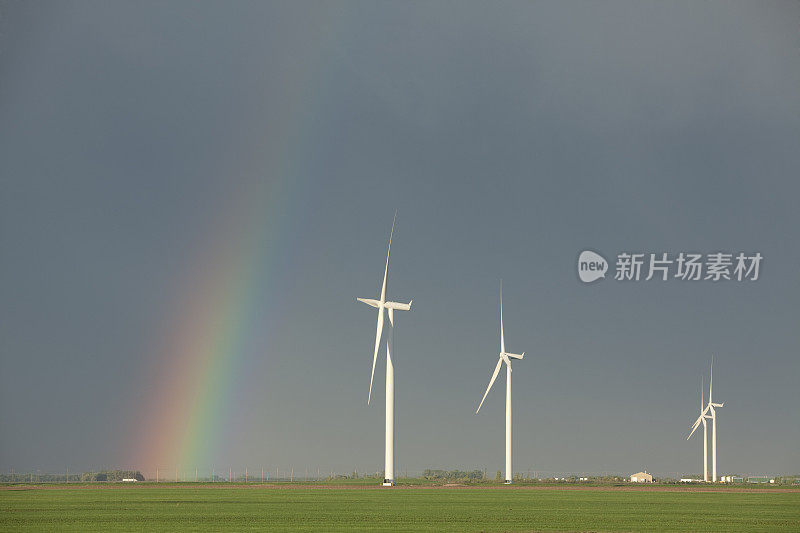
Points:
[(504, 357), (713, 416), (702, 418), (391, 307)]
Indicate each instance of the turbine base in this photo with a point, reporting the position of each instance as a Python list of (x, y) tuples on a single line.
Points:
[(388, 483)]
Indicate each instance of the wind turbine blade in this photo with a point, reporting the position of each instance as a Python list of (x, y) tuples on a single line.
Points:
[(491, 382), (711, 383), (386, 271), (701, 394), (695, 426), (375, 357), (370, 302), (502, 340)]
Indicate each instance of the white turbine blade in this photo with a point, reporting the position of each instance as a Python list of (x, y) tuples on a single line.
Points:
[(375, 357), (701, 394), (370, 302), (711, 383), (696, 422), (386, 272), (516, 356), (397, 306), (695, 426), (502, 340), (491, 382), (702, 415)]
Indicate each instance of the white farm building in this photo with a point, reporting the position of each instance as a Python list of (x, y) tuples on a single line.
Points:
[(641, 477)]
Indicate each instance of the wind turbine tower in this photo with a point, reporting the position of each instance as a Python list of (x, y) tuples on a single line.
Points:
[(388, 476), (709, 413), (702, 418), (505, 357)]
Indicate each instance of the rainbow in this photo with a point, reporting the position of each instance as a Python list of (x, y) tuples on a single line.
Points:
[(204, 344), (200, 355)]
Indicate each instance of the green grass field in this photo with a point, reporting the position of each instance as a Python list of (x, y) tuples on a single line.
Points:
[(205, 507)]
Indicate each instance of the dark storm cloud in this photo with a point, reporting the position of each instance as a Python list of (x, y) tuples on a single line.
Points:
[(510, 137)]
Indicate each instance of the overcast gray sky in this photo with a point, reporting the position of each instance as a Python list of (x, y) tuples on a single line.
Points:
[(193, 194)]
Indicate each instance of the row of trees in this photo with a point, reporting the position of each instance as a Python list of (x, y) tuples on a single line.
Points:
[(103, 475), (452, 475)]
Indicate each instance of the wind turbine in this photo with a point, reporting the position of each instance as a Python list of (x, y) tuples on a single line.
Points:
[(388, 479), (702, 418), (713, 416), (505, 357)]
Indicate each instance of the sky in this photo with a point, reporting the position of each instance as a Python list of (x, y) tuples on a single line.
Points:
[(193, 194)]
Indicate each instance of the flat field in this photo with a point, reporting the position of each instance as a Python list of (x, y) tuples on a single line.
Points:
[(324, 507)]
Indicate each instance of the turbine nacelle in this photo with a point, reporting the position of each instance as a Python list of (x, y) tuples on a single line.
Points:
[(506, 357), (398, 306)]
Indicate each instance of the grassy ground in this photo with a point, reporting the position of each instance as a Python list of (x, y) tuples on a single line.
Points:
[(196, 507)]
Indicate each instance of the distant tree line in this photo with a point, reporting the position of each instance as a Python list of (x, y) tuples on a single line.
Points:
[(83, 477), (452, 475)]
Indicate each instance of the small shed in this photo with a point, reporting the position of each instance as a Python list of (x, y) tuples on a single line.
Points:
[(641, 477)]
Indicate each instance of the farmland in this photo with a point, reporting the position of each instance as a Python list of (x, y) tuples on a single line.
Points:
[(329, 507)]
